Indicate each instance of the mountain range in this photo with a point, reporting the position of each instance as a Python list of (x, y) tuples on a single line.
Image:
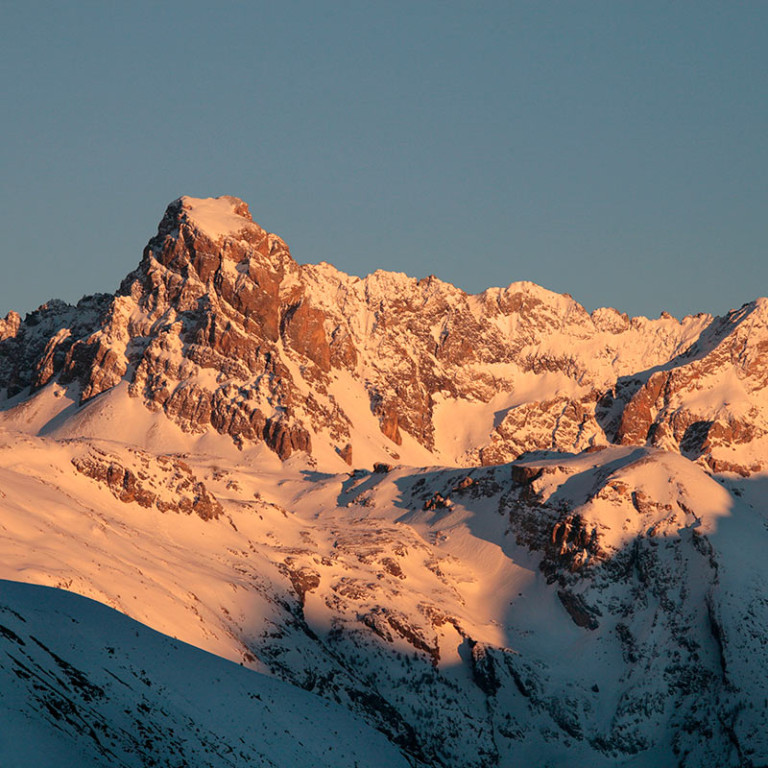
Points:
[(467, 530)]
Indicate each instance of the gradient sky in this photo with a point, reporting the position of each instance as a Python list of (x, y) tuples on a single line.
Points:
[(617, 151)]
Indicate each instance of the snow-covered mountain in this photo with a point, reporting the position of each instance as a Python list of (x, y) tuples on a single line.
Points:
[(221, 331), (549, 551)]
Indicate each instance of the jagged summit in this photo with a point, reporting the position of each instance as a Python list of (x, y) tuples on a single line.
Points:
[(215, 224), (220, 332), (216, 217)]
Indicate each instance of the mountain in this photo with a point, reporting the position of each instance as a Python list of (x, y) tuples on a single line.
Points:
[(496, 529), (220, 330)]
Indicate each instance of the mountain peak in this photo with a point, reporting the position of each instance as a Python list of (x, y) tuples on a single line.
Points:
[(214, 217), (205, 232), (217, 217), (595, 597)]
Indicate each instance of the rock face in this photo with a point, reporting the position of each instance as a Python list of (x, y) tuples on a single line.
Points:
[(220, 330), (164, 482), (709, 402)]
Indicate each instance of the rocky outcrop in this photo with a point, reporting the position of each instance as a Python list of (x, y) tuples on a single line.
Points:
[(36, 349), (561, 424), (707, 400), (581, 614), (163, 482), (9, 325)]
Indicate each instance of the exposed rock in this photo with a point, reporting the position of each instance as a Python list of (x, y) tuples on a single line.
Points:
[(284, 439), (177, 490), (414, 635), (578, 610), (53, 357), (484, 670), (389, 423), (438, 501), (525, 474), (465, 483), (303, 328), (561, 424), (303, 579), (669, 407), (121, 481), (9, 325), (346, 453)]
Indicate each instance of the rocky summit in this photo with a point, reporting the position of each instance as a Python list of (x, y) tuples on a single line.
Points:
[(473, 530)]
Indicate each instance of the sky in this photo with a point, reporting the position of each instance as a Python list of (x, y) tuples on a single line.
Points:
[(616, 151)]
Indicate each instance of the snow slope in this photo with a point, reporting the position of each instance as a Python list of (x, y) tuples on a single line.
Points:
[(594, 608), (84, 685)]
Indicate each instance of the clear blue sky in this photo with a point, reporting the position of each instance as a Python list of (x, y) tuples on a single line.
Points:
[(617, 151)]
